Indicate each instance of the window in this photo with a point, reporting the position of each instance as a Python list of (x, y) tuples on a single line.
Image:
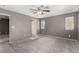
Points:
[(69, 23), (42, 24)]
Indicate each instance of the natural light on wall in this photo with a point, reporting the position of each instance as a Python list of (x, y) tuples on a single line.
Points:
[(69, 23)]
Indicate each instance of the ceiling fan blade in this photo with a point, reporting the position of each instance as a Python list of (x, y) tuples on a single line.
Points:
[(33, 9), (34, 12), (46, 10), (47, 7)]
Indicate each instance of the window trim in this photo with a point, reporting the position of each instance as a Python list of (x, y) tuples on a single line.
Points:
[(66, 18)]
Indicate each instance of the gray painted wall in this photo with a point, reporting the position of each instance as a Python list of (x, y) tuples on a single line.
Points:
[(78, 25), (56, 26), (3, 16), (22, 24)]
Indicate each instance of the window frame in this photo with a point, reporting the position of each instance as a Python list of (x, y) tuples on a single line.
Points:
[(72, 23)]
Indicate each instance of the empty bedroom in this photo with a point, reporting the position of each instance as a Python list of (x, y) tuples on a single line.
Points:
[(39, 28)]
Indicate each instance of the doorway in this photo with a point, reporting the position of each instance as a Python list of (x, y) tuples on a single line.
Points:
[(38, 27), (4, 28), (34, 29)]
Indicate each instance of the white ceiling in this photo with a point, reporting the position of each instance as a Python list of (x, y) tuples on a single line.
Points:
[(54, 9)]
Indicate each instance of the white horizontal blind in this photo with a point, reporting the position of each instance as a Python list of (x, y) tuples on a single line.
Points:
[(69, 23)]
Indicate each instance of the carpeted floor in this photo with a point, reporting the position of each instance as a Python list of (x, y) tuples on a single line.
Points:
[(44, 44)]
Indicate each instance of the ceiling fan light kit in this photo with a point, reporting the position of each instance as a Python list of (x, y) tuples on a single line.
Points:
[(40, 10)]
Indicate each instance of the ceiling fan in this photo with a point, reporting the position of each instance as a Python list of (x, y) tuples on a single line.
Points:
[(40, 9)]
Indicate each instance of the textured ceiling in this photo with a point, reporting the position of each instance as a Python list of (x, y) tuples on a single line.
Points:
[(54, 9)]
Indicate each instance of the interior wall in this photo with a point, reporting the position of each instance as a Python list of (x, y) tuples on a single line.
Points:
[(78, 25), (55, 25), (20, 25)]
